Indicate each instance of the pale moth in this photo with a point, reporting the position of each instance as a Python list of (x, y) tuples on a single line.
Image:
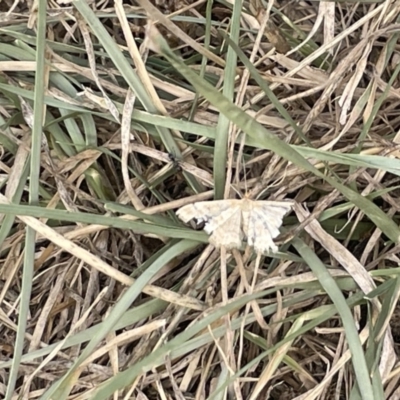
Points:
[(229, 222)]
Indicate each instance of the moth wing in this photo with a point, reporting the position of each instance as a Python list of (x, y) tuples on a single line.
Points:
[(273, 212), (278, 206), (264, 222), (203, 210), (259, 233), (226, 229)]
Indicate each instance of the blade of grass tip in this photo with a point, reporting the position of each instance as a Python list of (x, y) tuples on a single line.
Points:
[(30, 238), (224, 123), (328, 283), (270, 141), (61, 388)]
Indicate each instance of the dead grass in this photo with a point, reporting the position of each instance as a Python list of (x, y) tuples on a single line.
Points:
[(104, 293)]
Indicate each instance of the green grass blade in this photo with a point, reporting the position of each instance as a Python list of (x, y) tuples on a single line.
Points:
[(222, 132), (30, 238)]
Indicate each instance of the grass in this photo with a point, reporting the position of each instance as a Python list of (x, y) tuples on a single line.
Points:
[(113, 116)]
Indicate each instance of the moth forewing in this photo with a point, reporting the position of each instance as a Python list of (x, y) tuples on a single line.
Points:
[(228, 233), (262, 229), (272, 212), (265, 224), (186, 213), (203, 210), (223, 220), (263, 244), (228, 222), (268, 206)]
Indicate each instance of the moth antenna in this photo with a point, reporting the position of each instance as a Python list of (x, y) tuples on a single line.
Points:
[(245, 178), (237, 191), (277, 182), (281, 179)]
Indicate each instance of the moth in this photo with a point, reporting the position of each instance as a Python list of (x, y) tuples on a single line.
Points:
[(229, 222)]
